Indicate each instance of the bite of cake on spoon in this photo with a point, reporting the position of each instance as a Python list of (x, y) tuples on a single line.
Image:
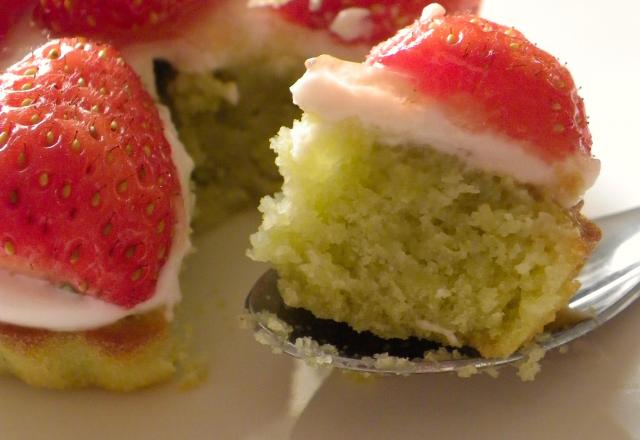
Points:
[(435, 189)]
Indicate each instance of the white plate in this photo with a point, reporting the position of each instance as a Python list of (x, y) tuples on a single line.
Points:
[(593, 391)]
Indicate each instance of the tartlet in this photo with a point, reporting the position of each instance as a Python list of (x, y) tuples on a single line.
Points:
[(434, 190)]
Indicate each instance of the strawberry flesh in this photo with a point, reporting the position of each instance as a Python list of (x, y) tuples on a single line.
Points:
[(386, 16), (90, 196), (490, 77), (118, 21)]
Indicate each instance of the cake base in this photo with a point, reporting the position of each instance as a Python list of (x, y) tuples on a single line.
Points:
[(135, 352), (406, 241)]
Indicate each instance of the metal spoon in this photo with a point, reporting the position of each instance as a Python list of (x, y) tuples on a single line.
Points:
[(610, 283)]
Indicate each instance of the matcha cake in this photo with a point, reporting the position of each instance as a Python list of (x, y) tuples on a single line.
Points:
[(96, 208), (434, 190)]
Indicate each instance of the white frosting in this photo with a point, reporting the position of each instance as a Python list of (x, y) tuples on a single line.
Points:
[(352, 23), (384, 101), (434, 10), (232, 32)]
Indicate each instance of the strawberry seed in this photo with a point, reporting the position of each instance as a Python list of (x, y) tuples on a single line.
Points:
[(9, 247)]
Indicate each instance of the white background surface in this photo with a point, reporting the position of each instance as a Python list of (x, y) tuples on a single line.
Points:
[(592, 392)]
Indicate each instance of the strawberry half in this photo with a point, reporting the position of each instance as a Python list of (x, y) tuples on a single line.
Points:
[(494, 77), (90, 195), (117, 20), (383, 19)]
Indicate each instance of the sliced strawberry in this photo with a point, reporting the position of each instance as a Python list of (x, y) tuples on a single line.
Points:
[(117, 20), (384, 17), (89, 194), (11, 12), (495, 78)]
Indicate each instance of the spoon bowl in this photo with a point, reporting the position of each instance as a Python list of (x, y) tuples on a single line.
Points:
[(610, 282)]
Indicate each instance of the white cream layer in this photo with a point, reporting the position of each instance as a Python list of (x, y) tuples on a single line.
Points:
[(384, 101), (352, 23), (232, 33)]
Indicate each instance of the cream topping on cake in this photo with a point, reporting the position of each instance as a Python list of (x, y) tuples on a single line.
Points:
[(31, 302), (385, 102), (352, 23)]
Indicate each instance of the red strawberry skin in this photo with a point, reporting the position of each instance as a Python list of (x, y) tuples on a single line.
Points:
[(118, 20), (387, 15), (495, 78), (10, 12), (89, 193)]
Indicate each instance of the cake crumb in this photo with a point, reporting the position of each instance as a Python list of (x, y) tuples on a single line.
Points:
[(273, 332), (384, 361), (529, 367), (442, 354), (193, 373), (467, 371), (314, 354), (394, 364), (268, 320)]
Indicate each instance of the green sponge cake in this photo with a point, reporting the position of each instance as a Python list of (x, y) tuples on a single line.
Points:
[(225, 121), (421, 198), (134, 352)]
